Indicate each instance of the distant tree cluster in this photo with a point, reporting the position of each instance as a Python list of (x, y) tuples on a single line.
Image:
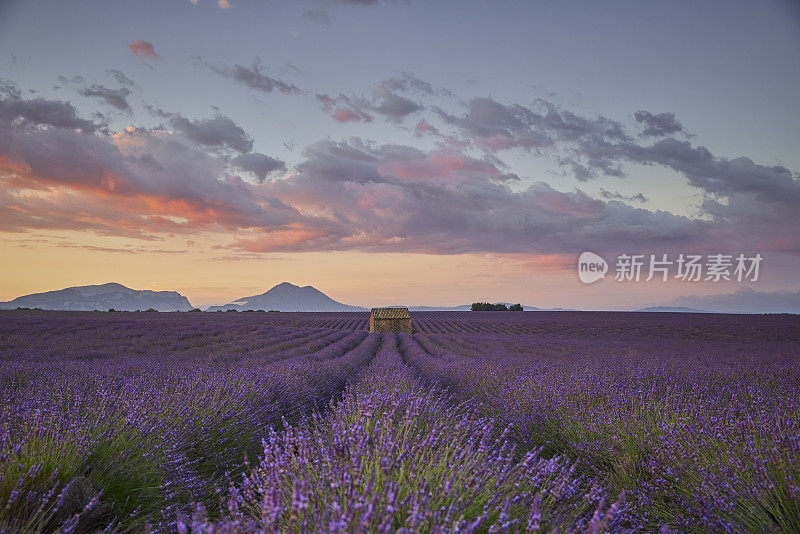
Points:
[(233, 310), (486, 306)]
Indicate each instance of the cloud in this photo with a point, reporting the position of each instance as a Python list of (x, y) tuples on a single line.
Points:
[(393, 106), (719, 176), (658, 125), (424, 127), (120, 77), (353, 2), (116, 98), (638, 197), (260, 165), (59, 170), (398, 198), (406, 81), (220, 131), (494, 126), (254, 77), (42, 112), (384, 102), (601, 146), (75, 79), (9, 89), (136, 183), (317, 15), (143, 49), (351, 195), (157, 111), (735, 188), (346, 109)]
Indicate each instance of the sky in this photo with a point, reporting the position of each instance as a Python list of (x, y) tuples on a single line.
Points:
[(399, 152)]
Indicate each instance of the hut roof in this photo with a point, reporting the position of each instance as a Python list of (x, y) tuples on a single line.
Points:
[(390, 313)]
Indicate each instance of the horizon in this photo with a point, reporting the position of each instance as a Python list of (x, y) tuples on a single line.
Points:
[(219, 148), (713, 304)]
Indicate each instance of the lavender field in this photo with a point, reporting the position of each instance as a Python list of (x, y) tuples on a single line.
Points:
[(480, 422)]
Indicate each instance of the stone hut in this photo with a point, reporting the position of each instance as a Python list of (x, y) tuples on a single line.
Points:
[(390, 320)]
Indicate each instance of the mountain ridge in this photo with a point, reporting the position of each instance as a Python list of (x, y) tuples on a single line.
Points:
[(101, 297), (671, 309), (287, 297)]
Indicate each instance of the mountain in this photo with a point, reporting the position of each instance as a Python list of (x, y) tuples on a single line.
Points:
[(288, 297), (671, 309), (745, 300), (101, 297)]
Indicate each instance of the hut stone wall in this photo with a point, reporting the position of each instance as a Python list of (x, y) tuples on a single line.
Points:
[(390, 320)]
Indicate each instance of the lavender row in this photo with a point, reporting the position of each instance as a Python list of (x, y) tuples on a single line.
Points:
[(128, 440), (397, 456), (702, 437)]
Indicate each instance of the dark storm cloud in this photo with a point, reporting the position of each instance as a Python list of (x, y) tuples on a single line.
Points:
[(116, 98), (254, 77), (260, 165), (217, 132), (658, 125)]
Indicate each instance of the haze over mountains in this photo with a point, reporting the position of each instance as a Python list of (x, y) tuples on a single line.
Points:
[(287, 297)]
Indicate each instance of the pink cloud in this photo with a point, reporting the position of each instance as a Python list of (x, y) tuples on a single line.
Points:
[(441, 165), (497, 142), (346, 115), (346, 109), (424, 127), (143, 49)]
